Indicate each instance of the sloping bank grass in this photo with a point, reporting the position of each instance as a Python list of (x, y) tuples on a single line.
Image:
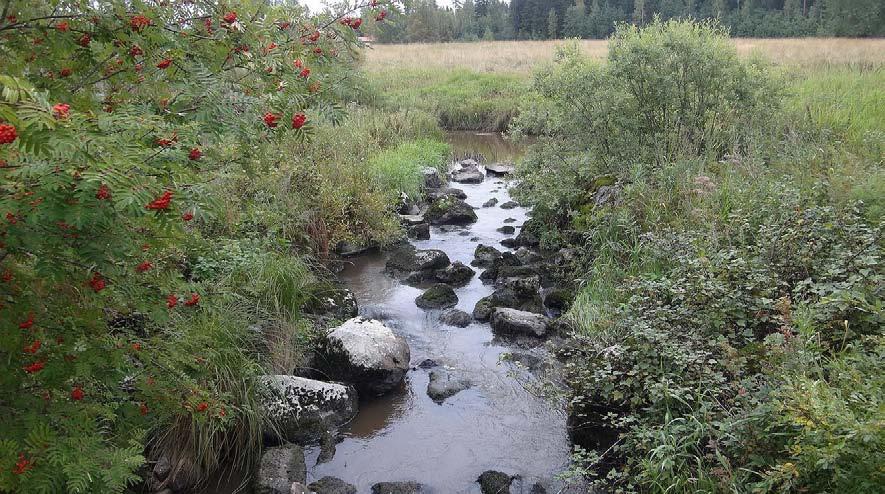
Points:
[(460, 99), (729, 328)]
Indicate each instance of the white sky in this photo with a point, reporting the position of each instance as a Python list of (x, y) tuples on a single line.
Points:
[(316, 5)]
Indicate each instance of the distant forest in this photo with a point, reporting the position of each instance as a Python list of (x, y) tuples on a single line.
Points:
[(470, 20)]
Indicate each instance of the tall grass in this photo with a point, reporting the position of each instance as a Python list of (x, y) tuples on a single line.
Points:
[(523, 57), (398, 169), (460, 99)]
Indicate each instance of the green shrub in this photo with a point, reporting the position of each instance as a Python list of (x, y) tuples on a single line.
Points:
[(670, 91)]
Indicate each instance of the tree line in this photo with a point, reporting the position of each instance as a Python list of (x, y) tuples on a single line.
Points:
[(471, 20)]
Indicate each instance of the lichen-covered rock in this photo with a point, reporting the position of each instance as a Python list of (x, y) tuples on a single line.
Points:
[(299, 488), (450, 211), (279, 468), (366, 353), (409, 487), (331, 485), (305, 408), (455, 317), (517, 323), (456, 274), (485, 255), (439, 296), (492, 482), (443, 384)]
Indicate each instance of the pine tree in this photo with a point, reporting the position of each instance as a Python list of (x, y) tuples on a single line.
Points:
[(639, 12), (552, 25)]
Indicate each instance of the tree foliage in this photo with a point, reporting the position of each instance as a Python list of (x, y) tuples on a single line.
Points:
[(115, 119)]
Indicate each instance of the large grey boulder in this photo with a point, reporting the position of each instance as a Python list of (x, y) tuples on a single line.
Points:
[(409, 487), (366, 353), (443, 384), (492, 482), (432, 178), (279, 468), (518, 323), (407, 259), (450, 211), (304, 408), (468, 175), (439, 296), (331, 485)]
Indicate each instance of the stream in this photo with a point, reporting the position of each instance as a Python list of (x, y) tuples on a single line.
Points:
[(501, 422)]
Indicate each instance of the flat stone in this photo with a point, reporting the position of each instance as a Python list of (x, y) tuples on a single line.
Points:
[(510, 205), (444, 385), (500, 168), (516, 322), (411, 219), (507, 230), (490, 203)]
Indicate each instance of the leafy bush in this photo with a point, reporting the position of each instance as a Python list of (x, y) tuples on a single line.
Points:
[(670, 91), (687, 353)]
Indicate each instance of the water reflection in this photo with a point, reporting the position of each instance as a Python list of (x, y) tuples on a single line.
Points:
[(485, 147)]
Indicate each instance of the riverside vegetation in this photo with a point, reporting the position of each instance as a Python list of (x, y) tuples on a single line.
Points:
[(726, 203), (178, 177)]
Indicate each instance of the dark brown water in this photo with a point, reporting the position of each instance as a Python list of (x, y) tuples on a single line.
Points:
[(498, 424)]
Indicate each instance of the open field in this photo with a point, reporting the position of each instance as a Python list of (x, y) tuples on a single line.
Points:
[(479, 86), (523, 56)]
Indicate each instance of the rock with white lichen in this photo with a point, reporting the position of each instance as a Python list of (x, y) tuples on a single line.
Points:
[(366, 353), (304, 408)]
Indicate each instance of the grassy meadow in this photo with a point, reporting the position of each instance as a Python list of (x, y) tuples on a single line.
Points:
[(479, 86)]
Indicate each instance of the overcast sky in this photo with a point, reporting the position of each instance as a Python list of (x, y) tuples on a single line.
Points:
[(316, 5)]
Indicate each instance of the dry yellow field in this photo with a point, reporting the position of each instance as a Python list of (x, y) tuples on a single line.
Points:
[(521, 56)]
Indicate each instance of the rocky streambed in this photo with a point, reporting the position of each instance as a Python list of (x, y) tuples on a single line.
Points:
[(432, 383)]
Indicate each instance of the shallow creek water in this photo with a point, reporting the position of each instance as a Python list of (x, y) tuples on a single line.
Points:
[(499, 423)]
